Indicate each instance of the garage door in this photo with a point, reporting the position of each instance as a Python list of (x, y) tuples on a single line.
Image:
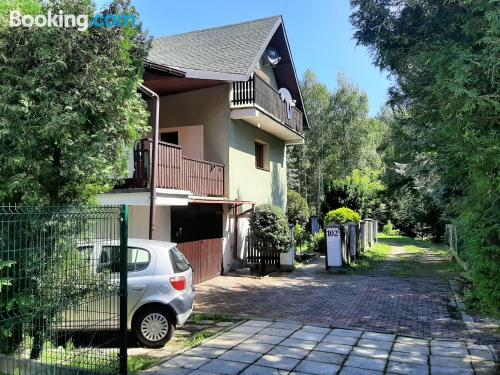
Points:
[(205, 256)]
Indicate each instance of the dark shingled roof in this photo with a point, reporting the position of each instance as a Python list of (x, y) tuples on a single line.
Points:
[(232, 49)]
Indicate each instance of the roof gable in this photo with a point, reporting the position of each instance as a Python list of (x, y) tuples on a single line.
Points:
[(227, 52)]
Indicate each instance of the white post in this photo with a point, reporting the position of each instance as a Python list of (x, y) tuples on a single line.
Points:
[(333, 247)]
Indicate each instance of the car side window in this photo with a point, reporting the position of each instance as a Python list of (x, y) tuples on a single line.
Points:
[(137, 259), (179, 261)]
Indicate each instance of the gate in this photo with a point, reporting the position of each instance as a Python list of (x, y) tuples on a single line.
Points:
[(63, 308)]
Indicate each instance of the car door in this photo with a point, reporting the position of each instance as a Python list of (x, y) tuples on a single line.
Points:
[(141, 269)]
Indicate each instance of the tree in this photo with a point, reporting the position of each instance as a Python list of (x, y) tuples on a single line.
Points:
[(269, 228), (69, 107), (443, 57), (297, 210)]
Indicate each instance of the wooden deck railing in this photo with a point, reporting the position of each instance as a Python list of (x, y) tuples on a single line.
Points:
[(176, 171), (257, 92)]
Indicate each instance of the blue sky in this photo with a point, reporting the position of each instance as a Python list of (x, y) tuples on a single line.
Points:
[(319, 33)]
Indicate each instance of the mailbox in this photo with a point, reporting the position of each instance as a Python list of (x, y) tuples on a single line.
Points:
[(333, 247)]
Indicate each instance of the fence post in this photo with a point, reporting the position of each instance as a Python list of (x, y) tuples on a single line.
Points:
[(352, 240), (123, 289)]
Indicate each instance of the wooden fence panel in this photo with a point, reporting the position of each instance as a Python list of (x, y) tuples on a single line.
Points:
[(205, 256)]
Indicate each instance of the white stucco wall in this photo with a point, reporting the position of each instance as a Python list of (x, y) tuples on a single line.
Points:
[(139, 223)]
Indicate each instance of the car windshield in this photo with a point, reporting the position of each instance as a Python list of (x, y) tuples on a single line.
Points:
[(179, 262)]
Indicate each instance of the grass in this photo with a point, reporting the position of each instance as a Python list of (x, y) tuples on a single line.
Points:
[(139, 363), (371, 259), (421, 258), (199, 337), (194, 318)]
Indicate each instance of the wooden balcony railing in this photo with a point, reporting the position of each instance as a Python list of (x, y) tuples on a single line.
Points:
[(176, 171), (257, 92)]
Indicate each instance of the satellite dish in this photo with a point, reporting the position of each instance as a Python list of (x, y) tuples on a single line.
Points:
[(273, 56)]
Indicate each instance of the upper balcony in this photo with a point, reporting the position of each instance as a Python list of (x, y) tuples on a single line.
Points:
[(258, 103), (175, 171)]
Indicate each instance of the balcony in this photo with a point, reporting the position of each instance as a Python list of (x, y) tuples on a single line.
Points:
[(176, 171), (258, 103)]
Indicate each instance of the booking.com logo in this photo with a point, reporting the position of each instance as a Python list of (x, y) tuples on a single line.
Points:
[(80, 22)]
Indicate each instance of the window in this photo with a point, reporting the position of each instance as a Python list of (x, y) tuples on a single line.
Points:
[(170, 137), (259, 155), (179, 262), (137, 259)]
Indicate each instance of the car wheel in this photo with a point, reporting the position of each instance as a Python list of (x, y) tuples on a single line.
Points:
[(154, 327)]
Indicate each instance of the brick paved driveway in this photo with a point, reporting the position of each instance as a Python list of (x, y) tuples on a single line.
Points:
[(413, 306), (260, 347)]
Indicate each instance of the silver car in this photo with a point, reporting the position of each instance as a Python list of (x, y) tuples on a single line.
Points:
[(160, 290)]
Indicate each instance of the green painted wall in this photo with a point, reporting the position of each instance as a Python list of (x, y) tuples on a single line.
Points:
[(248, 182)]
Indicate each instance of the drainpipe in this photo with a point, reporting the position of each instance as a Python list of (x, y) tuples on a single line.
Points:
[(154, 158)]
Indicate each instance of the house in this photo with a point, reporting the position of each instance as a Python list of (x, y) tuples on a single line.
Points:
[(224, 104)]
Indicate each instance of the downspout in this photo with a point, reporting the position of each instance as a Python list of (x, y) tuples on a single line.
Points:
[(154, 158)]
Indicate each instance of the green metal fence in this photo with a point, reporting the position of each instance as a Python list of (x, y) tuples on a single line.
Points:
[(63, 307)]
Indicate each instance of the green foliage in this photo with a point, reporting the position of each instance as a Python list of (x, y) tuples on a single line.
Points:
[(359, 191), (69, 107), (318, 243), (342, 138), (269, 228), (297, 210), (342, 215), (389, 229), (443, 57)]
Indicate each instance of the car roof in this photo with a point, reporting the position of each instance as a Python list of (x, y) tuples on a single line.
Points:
[(150, 243)]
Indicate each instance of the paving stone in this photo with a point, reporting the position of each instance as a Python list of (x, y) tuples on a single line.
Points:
[(254, 347), (259, 370), (194, 327), (276, 361), (200, 372), (317, 368), (240, 356), (448, 344), (370, 352), (375, 344), (481, 355), (417, 359), (302, 344), (266, 339), (167, 371), (441, 370), (235, 336), (471, 345), (222, 343), (316, 329), (486, 368), (412, 340), (346, 332), (436, 360), (333, 348), (365, 362), (287, 351), (258, 323), (304, 335), (205, 352), (378, 336), (407, 368), (325, 357), (409, 348), (282, 332), (182, 333), (449, 352), (223, 367), (185, 361), (347, 370), (224, 324), (344, 340), (286, 325), (247, 329)]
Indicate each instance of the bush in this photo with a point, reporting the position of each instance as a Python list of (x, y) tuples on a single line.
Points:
[(297, 209), (318, 243), (389, 229), (341, 215), (269, 227)]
